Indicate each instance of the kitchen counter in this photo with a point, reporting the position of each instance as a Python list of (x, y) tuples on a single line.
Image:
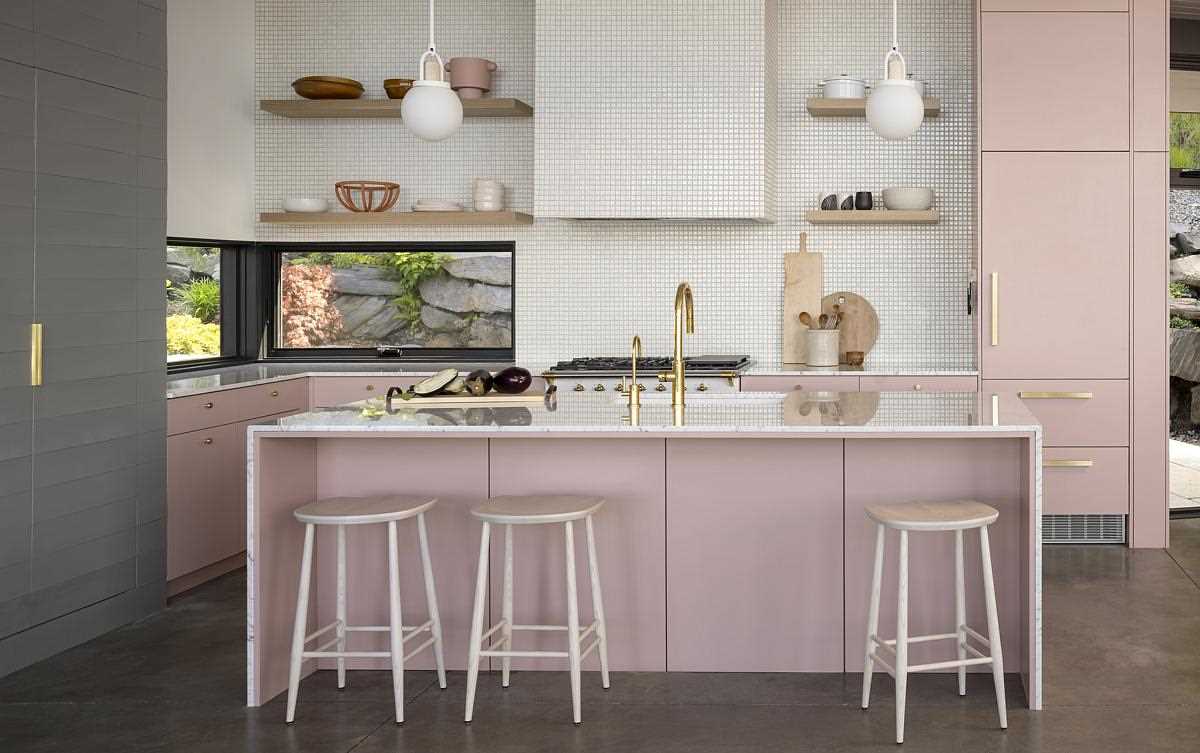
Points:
[(744, 522), (247, 375)]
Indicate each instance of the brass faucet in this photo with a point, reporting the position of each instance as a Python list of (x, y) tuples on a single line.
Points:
[(683, 318), (635, 392)]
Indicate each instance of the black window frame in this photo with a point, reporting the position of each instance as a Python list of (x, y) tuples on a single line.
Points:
[(240, 312), (273, 252)]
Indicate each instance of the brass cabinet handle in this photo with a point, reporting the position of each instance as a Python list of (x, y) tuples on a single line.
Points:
[(208, 440), (35, 354), (1067, 463), (995, 308), (1055, 395), (370, 388), (274, 393), (918, 387), (208, 405)]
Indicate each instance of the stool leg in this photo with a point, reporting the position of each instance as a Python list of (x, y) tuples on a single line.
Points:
[(597, 603), (506, 632), (873, 616), (477, 620), (301, 623), (993, 619), (431, 602), (397, 626), (902, 637), (341, 605), (960, 610), (572, 620)]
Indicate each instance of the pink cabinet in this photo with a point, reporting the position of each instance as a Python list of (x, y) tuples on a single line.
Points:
[(1074, 412), (221, 407), (918, 384), (1085, 480), (1054, 5), (326, 392), (1055, 245), (754, 568), (1151, 31), (206, 511), (1054, 81), (783, 383)]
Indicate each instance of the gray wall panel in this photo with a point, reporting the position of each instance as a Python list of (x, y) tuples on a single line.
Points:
[(16, 188), (82, 494), (49, 536), (66, 398), (88, 26), (81, 559), (15, 534), (49, 638), (80, 463), (17, 13), (16, 44), (81, 429), (87, 96), (35, 608)]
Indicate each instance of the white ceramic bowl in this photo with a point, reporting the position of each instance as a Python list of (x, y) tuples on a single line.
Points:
[(910, 198), (298, 204)]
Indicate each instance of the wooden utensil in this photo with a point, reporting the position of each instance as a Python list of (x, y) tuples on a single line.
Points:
[(806, 319), (327, 87), (804, 281), (858, 322), (823, 320)]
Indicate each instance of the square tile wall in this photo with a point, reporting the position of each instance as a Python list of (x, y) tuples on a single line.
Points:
[(585, 287)]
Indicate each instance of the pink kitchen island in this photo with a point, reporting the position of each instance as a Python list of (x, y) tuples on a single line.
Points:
[(733, 540)]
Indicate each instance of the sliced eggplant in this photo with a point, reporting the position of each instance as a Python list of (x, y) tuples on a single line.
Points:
[(436, 383), (479, 382), (457, 386), (512, 381)]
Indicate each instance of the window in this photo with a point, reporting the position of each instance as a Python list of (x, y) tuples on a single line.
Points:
[(193, 303), (423, 302)]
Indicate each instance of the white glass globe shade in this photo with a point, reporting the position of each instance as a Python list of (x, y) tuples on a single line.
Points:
[(431, 110), (895, 109)]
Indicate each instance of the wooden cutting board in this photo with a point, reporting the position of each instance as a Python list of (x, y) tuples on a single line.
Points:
[(860, 323), (493, 399), (803, 281)]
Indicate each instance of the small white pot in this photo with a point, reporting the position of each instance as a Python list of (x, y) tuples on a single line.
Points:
[(844, 87), (298, 204), (822, 347)]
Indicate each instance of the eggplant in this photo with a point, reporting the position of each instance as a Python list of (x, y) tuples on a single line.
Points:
[(457, 386), (512, 381), (479, 382), (436, 383)]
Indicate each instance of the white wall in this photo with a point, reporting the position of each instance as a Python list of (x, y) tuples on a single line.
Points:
[(210, 119)]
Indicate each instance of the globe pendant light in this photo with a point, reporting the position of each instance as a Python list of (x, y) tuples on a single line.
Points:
[(894, 108), (431, 109)]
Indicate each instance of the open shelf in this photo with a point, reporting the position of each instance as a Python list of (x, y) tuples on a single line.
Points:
[(873, 217), (386, 108), (824, 107), (396, 218)]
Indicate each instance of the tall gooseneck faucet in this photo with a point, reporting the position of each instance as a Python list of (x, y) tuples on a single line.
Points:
[(683, 318)]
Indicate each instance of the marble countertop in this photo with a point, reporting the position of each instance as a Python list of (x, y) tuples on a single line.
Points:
[(869, 369), (764, 413)]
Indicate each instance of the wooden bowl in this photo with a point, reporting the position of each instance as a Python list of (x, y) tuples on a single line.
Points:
[(396, 88), (327, 87), (367, 195)]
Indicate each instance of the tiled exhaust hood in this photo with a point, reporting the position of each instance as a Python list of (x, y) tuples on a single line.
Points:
[(656, 111)]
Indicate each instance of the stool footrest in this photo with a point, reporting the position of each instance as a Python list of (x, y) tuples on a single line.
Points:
[(543, 654), (345, 654), (951, 664)]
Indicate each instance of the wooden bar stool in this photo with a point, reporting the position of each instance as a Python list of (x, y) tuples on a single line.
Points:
[(537, 510), (933, 516), (352, 511)]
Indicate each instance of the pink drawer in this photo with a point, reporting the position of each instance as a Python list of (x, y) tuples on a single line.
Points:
[(1074, 413), (918, 384), (832, 383), (222, 407), (1078, 480), (330, 391)]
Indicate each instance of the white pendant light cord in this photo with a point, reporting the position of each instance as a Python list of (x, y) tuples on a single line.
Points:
[(895, 51), (431, 51), (433, 47), (895, 34)]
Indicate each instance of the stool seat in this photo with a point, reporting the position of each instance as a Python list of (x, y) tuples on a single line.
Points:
[(349, 511), (934, 516), (522, 510)]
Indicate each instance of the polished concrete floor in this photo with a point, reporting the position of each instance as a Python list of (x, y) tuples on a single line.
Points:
[(1122, 674)]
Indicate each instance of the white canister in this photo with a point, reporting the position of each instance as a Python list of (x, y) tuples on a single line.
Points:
[(843, 87), (822, 347)]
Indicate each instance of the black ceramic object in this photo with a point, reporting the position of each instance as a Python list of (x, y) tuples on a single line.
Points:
[(863, 200), (848, 203), (830, 202)]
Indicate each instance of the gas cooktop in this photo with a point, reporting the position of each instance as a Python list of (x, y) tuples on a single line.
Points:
[(622, 365)]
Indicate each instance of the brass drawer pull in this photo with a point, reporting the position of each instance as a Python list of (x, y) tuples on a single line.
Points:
[(274, 393), (370, 388), (35, 354), (995, 308), (1067, 463), (1055, 395), (208, 405), (208, 440)]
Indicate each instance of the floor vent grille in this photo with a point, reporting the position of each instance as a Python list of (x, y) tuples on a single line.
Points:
[(1083, 529)]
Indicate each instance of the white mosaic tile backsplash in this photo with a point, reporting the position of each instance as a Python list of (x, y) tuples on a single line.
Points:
[(584, 288)]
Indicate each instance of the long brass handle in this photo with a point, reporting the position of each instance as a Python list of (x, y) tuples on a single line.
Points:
[(1055, 395), (35, 354), (995, 308), (1067, 463)]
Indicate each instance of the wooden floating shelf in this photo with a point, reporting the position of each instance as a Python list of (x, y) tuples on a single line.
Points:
[(396, 218), (873, 217), (824, 107), (386, 108)]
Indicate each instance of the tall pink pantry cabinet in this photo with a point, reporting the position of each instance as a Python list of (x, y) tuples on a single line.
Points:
[(1073, 270)]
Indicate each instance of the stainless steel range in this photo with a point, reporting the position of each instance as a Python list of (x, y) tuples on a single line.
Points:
[(705, 373)]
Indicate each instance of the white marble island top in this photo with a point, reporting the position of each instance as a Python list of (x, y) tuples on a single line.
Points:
[(763, 413)]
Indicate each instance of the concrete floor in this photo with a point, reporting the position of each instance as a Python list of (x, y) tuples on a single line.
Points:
[(1122, 674)]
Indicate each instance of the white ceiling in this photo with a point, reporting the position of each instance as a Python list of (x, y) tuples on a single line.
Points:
[(1185, 9)]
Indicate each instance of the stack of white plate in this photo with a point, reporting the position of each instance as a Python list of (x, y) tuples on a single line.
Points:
[(488, 195), (436, 205)]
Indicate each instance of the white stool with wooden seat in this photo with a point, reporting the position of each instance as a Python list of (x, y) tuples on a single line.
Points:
[(933, 516), (354, 511), (537, 510)]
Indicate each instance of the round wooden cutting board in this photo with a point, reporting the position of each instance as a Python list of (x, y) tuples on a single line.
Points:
[(860, 323)]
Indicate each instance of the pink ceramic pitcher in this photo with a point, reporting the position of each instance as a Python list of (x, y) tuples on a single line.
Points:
[(470, 77)]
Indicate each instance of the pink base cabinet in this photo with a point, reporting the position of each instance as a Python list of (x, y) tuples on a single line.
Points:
[(716, 553)]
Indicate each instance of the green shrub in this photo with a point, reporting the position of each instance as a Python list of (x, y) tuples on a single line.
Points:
[(1179, 290), (1178, 322), (203, 299), (187, 335)]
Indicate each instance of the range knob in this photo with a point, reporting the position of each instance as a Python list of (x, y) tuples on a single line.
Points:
[(599, 388), (661, 388), (579, 388), (702, 388), (619, 388)]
